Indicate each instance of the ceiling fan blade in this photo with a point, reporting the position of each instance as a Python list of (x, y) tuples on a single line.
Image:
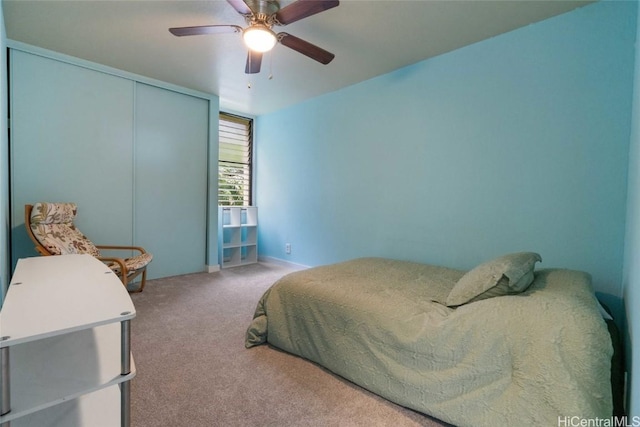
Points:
[(306, 48), (254, 59), (205, 29), (240, 7), (302, 9)]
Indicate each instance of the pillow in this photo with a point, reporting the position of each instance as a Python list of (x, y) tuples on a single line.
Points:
[(508, 274)]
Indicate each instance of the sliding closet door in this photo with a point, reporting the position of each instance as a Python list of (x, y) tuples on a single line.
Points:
[(71, 141), (171, 136)]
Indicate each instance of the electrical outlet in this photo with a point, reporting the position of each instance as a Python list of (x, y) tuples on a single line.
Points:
[(287, 248)]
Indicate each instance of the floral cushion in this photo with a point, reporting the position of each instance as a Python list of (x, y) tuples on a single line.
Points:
[(133, 263), (52, 225)]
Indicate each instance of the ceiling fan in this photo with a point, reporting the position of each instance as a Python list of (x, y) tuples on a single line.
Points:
[(261, 16)]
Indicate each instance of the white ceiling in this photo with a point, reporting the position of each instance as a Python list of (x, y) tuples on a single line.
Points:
[(368, 37)]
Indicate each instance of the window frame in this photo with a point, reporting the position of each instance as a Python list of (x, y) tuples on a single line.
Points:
[(223, 129)]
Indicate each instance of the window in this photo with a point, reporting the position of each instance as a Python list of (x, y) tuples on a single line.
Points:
[(234, 163)]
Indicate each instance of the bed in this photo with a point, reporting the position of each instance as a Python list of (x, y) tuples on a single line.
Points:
[(502, 344)]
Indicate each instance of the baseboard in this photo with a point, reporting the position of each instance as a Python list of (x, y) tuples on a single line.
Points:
[(212, 268), (282, 262)]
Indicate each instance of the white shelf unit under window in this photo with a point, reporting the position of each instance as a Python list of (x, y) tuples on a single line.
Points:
[(238, 235), (65, 345)]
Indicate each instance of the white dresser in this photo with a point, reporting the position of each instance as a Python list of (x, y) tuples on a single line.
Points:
[(65, 342)]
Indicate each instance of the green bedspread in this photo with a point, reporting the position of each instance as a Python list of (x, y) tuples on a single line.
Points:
[(525, 359)]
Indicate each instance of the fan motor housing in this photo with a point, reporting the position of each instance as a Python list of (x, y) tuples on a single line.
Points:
[(263, 7)]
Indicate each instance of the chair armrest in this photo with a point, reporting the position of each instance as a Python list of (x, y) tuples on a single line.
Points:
[(112, 247)]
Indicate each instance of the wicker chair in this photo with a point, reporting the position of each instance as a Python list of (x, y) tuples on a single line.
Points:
[(50, 226)]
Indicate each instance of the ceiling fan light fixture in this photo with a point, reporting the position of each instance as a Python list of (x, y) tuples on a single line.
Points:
[(259, 38)]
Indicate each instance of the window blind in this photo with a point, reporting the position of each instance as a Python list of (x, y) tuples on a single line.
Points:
[(235, 160)]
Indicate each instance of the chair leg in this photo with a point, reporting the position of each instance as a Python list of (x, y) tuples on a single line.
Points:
[(143, 281)]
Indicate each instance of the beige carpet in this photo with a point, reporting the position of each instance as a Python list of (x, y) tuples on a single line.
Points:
[(193, 369)]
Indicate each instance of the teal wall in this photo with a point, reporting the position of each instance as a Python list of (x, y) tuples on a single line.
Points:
[(4, 164), (631, 279), (519, 142)]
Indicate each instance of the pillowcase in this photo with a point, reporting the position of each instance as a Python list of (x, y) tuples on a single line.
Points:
[(508, 274)]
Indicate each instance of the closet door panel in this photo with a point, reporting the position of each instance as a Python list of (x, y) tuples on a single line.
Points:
[(171, 179), (71, 141)]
